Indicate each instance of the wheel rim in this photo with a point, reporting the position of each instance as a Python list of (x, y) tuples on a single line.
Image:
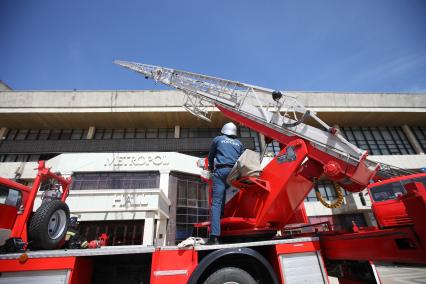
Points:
[(57, 223)]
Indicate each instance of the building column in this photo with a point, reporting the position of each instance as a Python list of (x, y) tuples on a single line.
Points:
[(3, 132), (148, 229), (164, 181), (160, 234), (370, 219), (91, 132), (262, 143), (177, 131), (412, 139)]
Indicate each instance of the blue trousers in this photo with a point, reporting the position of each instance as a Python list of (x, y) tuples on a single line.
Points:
[(218, 199)]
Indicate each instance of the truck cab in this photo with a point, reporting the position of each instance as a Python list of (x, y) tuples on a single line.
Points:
[(389, 210)]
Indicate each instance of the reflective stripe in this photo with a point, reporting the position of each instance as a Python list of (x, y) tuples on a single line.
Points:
[(170, 272), (376, 275)]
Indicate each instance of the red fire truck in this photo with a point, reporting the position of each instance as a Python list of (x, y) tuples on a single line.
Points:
[(254, 251)]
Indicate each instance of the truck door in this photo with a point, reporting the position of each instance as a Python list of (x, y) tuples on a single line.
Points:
[(10, 200)]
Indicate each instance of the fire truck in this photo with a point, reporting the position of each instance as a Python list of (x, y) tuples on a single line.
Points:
[(264, 224)]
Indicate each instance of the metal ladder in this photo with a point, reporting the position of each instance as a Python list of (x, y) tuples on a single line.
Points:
[(269, 107)]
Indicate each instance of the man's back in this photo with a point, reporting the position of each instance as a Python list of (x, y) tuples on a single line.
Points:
[(225, 151)]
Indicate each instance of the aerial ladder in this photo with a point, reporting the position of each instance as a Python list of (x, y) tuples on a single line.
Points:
[(268, 203)]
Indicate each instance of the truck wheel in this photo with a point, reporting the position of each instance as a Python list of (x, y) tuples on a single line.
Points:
[(232, 275), (49, 225)]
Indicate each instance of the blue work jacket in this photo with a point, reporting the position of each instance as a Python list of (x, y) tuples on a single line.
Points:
[(224, 151)]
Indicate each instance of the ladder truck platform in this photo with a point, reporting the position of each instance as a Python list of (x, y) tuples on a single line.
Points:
[(269, 261), (139, 249)]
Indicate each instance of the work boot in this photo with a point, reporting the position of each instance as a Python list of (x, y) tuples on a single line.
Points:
[(213, 240)]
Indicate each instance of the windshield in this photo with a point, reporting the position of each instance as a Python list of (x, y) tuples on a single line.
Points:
[(10, 196), (392, 190)]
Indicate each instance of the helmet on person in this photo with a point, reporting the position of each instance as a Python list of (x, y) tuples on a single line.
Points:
[(229, 129)]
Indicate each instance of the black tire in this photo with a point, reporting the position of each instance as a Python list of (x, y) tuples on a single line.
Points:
[(49, 225), (230, 274)]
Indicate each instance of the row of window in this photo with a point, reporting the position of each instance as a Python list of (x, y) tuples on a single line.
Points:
[(46, 134), (379, 140), (376, 140), (115, 180), (134, 133), (25, 157), (123, 133)]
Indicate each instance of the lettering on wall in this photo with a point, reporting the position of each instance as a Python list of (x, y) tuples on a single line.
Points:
[(129, 200), (137, 161)]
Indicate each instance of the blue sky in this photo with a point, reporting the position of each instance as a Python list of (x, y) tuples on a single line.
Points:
[(358, 46)]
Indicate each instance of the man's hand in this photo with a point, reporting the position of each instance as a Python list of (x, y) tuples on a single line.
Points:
[(206, 174)]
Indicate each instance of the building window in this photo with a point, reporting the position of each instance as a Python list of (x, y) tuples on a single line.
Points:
[(11, 134), (22, 134), (33, 134), (66, 134), (131, 133), (55, 134), (247, 132), (126, 232), (420, 133), (191, 205), (115, 180), (140, 133), (19, 158), (199, 132), (45, 134), (340, 222), (273, 147), (77, 134), (118, 134), (327, 190), (379, 140), (25, 157)]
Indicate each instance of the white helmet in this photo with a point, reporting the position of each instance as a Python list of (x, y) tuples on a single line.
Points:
[(229, 129)]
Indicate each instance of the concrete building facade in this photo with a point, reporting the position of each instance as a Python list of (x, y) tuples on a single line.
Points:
[(132, 154)]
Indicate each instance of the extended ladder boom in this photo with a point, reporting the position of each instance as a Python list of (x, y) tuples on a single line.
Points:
[(268, 108)]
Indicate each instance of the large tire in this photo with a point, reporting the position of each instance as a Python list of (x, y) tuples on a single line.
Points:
[(49, 225), (230, 275)]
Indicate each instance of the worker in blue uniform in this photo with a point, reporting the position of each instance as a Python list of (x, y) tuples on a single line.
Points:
[(224, 152)]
